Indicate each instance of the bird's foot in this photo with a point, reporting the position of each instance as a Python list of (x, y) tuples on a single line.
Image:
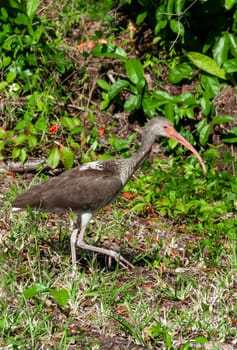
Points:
[(119, 259), (111, 253)]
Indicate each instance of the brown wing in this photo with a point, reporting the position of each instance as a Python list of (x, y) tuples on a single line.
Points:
[(74, 190)]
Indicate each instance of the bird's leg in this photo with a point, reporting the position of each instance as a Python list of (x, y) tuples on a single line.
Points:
[(111, 253), (73, 241)]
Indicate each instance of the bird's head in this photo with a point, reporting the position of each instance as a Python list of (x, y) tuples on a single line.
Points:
[(161, 126)]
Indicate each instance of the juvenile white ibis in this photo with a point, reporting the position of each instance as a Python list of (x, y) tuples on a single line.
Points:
[(89, 187)]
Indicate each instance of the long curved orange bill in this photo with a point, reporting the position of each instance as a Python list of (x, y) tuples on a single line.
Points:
[(173, 134)]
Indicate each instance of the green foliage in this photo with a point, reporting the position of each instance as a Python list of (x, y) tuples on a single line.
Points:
[(206, 64), (29, 54), (61, 296), (184, 195)]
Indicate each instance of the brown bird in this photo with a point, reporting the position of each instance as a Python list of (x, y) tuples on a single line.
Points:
[(89, 187)]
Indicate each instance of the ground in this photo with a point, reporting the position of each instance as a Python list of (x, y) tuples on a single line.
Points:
[(173, 299)]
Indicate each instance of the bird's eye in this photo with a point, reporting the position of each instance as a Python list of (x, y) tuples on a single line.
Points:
[(165, 126)]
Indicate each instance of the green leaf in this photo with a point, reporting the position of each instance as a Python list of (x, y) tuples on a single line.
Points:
[(180, 72), (61, 296), (179, 6), (204, 131), (21, 125), (229, 139), (133, 102), (53, 157), (138, 207), (23, 155), (103, 84), (220, 50), (41, 123), (2, 133), (187, 99), (105, 103), (233, 43), (230, 66), (207, 64), (229, 4), (31, 7), (109, 50), (201, 340), (163, 96), (135, 72), (205, 105), (66, 157), (2, 145), (4, 14), (222, 119), (177, 27), (234, 130), (70, 123), (21, 139), (10, 77), (149, 105), (15, 153), (121, 145), (6, 60), (32, 141), (160, 25), (117, 87), (211, 85), (34, 290), (141, 17), (3, 84), (21, 19)]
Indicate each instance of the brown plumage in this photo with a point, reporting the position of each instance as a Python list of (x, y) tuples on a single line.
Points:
[(89, 187)]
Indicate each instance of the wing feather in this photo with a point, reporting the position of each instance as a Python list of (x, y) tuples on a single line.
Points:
[(78, 189)]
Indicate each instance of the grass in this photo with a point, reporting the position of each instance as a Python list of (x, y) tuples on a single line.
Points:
[(181, 295), (177, 226)]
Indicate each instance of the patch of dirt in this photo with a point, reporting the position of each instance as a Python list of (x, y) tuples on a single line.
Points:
[(225, 104)]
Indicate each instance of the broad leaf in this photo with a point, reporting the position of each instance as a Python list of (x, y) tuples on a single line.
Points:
[(222, 119), (211, 85), (21, 18), (53, 157), (109, 50), (10, 77), (117, 87), (31, 7), (207, 64), (230, 139), (233, 43), (41, 123), (70, 123), (230, 66), (23, 155), (3, 84), (103, 84), (135, 72), (34, 290), (177, 27), (229, 4), (204, 131), (66, 157), (220, 50), (133, 102), (187, 99), (205, 104), (61, 296), (140, 18), (180, 72)]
